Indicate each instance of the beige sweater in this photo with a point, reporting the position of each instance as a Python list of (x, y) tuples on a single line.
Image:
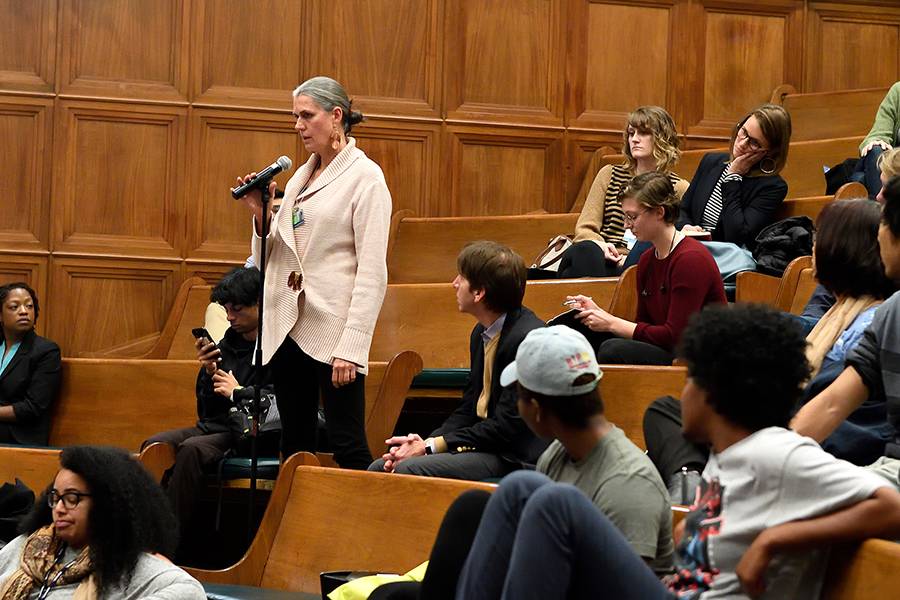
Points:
[(347, 216)]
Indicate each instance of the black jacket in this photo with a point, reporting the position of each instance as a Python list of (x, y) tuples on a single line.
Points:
[(747, 205), (503, 432), (237, 357), (30, 383)]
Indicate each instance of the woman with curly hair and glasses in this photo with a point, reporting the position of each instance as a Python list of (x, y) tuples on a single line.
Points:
[(650, 143), (100, 530)]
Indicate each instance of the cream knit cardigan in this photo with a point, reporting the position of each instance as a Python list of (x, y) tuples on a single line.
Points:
[(347, 213)]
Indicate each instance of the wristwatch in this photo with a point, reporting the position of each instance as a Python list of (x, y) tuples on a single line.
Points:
[(429, 446)]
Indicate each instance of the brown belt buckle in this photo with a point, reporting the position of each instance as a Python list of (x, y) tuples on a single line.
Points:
[(295, 281)]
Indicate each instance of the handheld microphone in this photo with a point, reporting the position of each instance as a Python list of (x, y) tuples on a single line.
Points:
[(262, 178)]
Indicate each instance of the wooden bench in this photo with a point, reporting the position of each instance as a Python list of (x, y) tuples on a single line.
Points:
[(803, 171), (822, 115), (424, 317), (37, 467), (328, 519), (121, 402), (424, 249), (627, 391), (788, 293)]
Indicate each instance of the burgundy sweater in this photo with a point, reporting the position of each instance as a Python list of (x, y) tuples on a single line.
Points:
[(672, 289)]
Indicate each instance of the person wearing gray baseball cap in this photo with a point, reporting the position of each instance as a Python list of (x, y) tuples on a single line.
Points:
[(556, 376)]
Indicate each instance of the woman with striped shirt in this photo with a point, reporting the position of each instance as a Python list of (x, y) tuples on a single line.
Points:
[(733, 196), (650, 143)]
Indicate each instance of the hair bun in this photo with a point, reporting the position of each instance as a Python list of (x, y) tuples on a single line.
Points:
[(355, 117)]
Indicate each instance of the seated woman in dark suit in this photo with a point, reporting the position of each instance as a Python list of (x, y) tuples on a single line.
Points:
[(734, 196), (676, 277), (30, 370)]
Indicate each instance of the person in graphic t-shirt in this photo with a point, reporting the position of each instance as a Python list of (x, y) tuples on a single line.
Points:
[(769, 504)]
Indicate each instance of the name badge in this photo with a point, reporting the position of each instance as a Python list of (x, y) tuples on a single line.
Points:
[(297, 217)]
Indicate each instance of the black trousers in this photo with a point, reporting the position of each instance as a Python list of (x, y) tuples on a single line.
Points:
[(612, 350), (666, 446), (448, 555), (299, 382), (586, 259)]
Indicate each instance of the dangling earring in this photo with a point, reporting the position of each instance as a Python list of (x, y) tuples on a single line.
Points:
[(335, 138), (770, 170)]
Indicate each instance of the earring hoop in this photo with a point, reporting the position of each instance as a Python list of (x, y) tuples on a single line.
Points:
[(770, 170)]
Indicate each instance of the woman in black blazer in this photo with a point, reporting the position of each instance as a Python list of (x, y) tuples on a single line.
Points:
[(30, 370), (733, 196)]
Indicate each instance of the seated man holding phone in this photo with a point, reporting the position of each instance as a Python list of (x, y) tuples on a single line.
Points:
[(224, 390)]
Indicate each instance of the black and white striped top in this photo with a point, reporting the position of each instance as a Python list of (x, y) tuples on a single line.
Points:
[(613, 226), (714, 207)]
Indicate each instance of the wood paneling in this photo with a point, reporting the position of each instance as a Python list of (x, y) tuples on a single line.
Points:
[(210, 272), (27, 45), (33, 271), (408, 155), (124, 48), (228, 144), (851, 46), (120, 181), (387, 51), (26, 128), (247, 52), (504, 60), (748, 48), (579, 147), (500, 171), (102, 303), (604, 85)]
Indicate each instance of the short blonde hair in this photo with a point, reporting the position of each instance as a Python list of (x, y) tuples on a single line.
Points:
[(655, 120), (889, 162)]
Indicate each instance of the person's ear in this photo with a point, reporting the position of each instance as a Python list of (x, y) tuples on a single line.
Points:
[(477, 295)]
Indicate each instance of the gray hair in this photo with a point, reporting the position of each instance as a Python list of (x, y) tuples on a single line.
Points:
[(328, 93)]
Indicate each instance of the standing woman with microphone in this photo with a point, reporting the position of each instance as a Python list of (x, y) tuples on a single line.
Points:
[(326, 275)]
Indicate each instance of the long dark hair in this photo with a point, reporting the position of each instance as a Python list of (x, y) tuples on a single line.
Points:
[(129, 513)]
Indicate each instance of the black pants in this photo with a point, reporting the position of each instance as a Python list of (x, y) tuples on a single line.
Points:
[(586, 259), (448, 555), (612, 350), (299, 381), (666, 446)]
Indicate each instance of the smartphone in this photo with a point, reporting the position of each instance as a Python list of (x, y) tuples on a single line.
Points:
[(201, 332)]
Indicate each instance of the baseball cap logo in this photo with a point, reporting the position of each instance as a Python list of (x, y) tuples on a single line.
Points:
[(579, 360)]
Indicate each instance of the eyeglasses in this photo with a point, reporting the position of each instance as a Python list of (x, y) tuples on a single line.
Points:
[(632, 217), (69, 499), (754, 144)]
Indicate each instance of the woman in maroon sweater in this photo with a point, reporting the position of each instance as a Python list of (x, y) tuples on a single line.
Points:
[(676, 277)]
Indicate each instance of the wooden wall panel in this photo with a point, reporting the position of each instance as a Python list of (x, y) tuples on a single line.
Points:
[(26, 128), (211, 272), (247, 52), (124, 48), (408, 155), (498, 171), (228, 144), (121, 180), (27, 45), (748, 49), (851, 46), (505, 60), (387, 52), (604, 86), (108, 302), (579, 147)]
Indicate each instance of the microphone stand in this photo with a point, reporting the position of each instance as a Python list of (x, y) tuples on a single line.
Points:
[(257, 359)]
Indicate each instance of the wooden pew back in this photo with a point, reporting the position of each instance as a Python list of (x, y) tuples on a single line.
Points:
[(425, 317), (863, 572), (122, 402), (804, 169), (822, 115), (627, 391), (424, 250), (337, 519)]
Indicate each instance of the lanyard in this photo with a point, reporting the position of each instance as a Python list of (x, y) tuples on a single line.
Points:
[(47, 585)]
